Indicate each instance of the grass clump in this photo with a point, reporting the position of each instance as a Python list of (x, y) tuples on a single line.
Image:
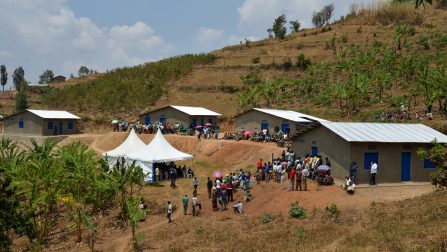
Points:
[(297, 212)]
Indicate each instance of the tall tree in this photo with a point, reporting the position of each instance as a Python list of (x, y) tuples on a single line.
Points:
[(46, 77), (328, 11), (279, 29), (295, 26), (18, 77), (3, 76), (83, 71), (317, 19), (21, 99)]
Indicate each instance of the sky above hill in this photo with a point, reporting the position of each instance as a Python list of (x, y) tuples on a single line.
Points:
[(62, 35)]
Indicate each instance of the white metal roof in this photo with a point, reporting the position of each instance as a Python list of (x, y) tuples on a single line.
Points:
[(196, 111), (53, 114), (290, 115), (385, 132)]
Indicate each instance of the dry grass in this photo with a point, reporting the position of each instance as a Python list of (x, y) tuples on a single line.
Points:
[(384, 13)]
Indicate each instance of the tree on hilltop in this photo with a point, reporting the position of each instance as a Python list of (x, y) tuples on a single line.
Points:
[(18, 77), (295, 26), (46, 77), (83, 71), (278, 29), (3, 76)]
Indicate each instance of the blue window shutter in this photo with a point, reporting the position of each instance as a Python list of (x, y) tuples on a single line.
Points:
[(50, 125), (70, 125), (429, 164), (21, 124)]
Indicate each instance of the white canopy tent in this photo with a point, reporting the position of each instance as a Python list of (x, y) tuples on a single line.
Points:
[(158, 150), (132, 144)]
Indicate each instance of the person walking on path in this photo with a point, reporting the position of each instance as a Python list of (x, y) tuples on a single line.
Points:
[(283, 178), (209, 186), (374, 167), (195, 183), (185, 204), (169, 212), (298, 177), (292, 179), (195, 204)]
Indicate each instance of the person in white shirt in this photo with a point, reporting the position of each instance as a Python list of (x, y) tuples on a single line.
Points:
[(350, 186), (169, 212), (374, 168), (238, 207), (195, 204)]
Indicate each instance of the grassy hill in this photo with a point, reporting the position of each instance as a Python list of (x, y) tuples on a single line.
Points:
[(359, 49)]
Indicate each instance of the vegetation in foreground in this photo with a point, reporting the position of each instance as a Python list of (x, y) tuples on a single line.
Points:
[(46, 183)]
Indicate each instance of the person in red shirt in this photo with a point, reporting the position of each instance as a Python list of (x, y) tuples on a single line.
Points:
[(292, 179), (230, 191), (259, 165)]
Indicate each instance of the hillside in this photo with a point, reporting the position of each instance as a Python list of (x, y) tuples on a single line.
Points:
[(358, 44)]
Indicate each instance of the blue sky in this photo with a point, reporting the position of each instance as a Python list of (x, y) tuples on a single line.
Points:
[(62, 35)]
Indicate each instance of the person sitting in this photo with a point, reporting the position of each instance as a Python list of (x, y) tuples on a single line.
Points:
[(349, 185), (238, 208), (248, 197)]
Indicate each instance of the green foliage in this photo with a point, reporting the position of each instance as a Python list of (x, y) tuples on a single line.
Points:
[(3, 76), (401, 33), (266, 218), (436, 153), (424, 42), (256, 60), (46, 77), (295, 26), (135, 215), (303, 62), (287, 63), (42, 176), (333, 210), (18, 77), (278, 29), (83, 71), (323, 16), (296, 211), (21, 99), (125, 89)]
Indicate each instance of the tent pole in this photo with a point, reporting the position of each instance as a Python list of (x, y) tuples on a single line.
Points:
[(153, 173)]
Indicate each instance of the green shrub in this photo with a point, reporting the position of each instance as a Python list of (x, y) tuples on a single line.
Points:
[(344, 38), (266, 218), (296, 211), (333, 210), (256, 60), (287, 64), (303, 62)]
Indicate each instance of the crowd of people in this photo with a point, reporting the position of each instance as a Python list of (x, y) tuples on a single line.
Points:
[(171, 171), (402, 114), (207, 131), (263, 135)]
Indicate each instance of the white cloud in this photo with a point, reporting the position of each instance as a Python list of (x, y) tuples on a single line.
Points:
[(47, 34), (208, 36)]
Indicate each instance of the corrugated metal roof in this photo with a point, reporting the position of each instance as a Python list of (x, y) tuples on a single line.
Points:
[(53, 114), (385, 132), (196, 111), (290, 115)]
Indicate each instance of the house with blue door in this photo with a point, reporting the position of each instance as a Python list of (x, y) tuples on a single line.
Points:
[(185, 115), (393, 146), (41, 123), (273, 120)]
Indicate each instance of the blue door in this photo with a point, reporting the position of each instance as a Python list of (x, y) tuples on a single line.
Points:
[(264, 126), (202, 122), (369, 157), (162, 120), (61, 128), (194, 122), (285, 127), (406, 166), (147, 120), (314, 151)]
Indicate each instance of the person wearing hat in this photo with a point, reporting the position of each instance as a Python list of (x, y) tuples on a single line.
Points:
[(185, 203)]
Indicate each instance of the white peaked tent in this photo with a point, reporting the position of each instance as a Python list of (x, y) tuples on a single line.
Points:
[(158, 150), (132, 144)]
